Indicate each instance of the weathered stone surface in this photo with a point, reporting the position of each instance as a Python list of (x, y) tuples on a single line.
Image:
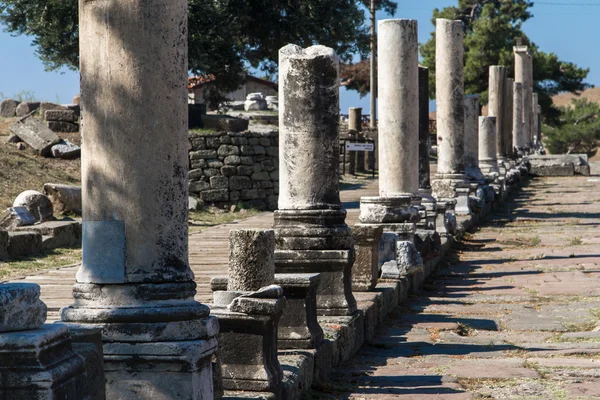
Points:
[(61, 126), (57, 233), (472, 138), (203, 154), (387, 210), (8, 108), (46, 106), (214, 195), (66, 150), (20, 307), (21, 244), (227, 150), (26, 107), (219, 182), (3, 245), (61, 115), (14, 217), (251, 260), (198, 186), (408, 261), (240, 182), (559, 165), (365, 271), (37, 203), (35, 134)]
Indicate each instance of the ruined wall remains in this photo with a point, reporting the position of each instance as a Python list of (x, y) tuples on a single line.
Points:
[(235, 167)]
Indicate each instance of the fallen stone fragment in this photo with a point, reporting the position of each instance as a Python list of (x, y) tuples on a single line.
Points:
[(8, 108), (66, 150), (14, 217), (36, 203), (20, 307), (33, 132), (65, 198), (27, 107)]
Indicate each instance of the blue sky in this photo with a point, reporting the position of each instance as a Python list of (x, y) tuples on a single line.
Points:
[(568, 28)]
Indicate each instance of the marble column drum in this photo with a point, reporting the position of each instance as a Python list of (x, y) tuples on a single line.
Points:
[(312, 235), (135, 283)]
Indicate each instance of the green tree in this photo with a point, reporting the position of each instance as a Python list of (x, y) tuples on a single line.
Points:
[(577, 130), (225, 36), (492, 28)]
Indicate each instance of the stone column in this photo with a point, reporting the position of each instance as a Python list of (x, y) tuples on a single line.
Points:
[(424, 134), (312, 236), (355, 119), (519, 141), (427, 200), (508, 117), (472, 138), (135, 282), (522, 67), (450, 181), (535, 120), (398, 142), (398, 107), (487, 147), (497, 93)]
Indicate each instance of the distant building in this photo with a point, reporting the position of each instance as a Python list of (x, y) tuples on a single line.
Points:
[(198, 84)]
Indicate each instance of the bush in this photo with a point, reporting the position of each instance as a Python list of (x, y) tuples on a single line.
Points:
[(578, 129)]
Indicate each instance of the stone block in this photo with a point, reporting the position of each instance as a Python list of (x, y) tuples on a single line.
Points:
[(3, 245), (213, 142), (61, 115), (38, 204), (239, 140), (198, 142), (41, 364), (66, 151), (264, 141), (203, 154), (365, 271), (198, 164), (249, 194), (253, 141), (195, 174), (260, 176), (213, 196), (259, 150), (234, 196), (225, 139), (21, 308), (233, 160), (240, 182), (227, 150), (247, 150), (208, 172), (274, 175), (251, 264), (21, 244), (198, 186), (57, 233), (219, 182), (45, 106), (61, 126), (215, 163), (272, 202), (273, 151), (35, 134), (8, 108), (246, 160), (228, 170), (267, 165)]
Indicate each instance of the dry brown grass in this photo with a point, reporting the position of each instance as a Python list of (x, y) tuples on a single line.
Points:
[(22, 169), (565, 99)]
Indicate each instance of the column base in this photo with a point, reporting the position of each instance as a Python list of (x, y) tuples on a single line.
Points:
[(318, 241), (389, 210), (365, 271)]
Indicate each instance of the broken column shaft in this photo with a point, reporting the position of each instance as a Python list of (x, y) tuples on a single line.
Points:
[(135, 282), (522, 75), (472, 138), (496, 108), (312, 236), (519, 141), (487, 147)]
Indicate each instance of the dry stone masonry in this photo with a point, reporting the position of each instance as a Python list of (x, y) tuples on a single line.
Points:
[(228, 168)]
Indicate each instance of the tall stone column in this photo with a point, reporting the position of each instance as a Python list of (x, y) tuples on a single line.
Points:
[(450, 181), (427, 200), (497, 93), (487, 147), (535, 124), (522, 75), (310, 227), (472, 138), (398, 74), (519, 141), (355, 119), (508, 117), (135, 282)]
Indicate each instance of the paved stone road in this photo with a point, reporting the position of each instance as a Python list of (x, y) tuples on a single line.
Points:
[(510, 316), (208, 254)]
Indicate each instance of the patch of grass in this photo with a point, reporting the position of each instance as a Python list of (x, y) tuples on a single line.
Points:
[(200, 220), (51, 259), (544, 373), (583, 326), (202, 131), (465, 330), (576, 241)]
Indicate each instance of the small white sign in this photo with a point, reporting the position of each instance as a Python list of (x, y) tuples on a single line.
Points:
[(359, 146)]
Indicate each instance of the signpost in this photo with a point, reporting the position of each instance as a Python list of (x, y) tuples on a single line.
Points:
[(366, 146)]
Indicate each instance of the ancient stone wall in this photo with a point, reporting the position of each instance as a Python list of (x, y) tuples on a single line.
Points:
[(235, 167)]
